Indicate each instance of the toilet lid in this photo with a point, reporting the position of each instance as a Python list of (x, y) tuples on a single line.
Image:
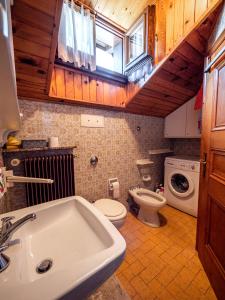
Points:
[(110, 208)]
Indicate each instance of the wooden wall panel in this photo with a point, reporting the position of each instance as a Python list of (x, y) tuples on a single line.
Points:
[(189, 16), (78, 86), (35, 26), (35, 37), (33, 16), (160, 41), (120, 96), (47, 7), (99, 92), (170, 26), (178, 20), (106, 93), (69, 85), (60, 83), (53, 90), (27, 32), (200, 8), (34, 48), (85, 88), (182, 15), (178, 78), (93, 90), (66, 84)]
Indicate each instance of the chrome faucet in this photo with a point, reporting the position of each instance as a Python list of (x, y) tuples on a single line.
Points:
[(6, 232)]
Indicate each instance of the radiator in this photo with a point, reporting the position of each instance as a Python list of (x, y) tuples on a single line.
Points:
[(60, 168)]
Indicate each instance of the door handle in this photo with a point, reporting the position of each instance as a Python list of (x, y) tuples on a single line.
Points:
[(204, 164)]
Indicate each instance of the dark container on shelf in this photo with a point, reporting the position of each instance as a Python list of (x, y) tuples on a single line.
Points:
[(31, 144)]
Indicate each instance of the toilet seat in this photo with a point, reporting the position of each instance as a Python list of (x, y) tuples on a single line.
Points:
[(150, 203), (112, 209), (148, 197)]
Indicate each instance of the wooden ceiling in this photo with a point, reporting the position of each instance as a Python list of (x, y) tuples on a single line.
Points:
[(178, 77), (175, 80), (122, 12), (35, 31)]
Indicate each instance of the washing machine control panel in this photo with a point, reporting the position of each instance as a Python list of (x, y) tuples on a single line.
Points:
[(183, 164)]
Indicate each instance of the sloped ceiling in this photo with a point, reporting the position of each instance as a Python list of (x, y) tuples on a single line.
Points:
[(173, 81), (122, 12), (178, 77)]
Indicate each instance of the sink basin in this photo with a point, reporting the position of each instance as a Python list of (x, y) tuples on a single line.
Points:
[(84, 246)]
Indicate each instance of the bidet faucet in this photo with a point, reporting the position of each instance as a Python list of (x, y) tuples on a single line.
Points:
[(6, 232)]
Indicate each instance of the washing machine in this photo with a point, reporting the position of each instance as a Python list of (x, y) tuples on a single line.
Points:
[(181, 182)]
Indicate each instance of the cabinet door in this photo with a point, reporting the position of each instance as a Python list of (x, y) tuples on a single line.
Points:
[(193, 117), (175, 123)]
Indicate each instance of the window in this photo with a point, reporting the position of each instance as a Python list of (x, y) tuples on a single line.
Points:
[(136, 41), (93, 44), (140, 38), (140, 46), (76, 43), (109, 50)]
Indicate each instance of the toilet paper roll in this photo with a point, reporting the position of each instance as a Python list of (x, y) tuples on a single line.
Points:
[(53, 142), (116, 189)]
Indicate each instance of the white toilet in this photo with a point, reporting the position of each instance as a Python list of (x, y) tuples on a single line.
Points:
[(149, 202), (115, 211)]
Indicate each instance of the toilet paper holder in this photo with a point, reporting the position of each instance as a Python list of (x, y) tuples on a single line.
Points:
[(110, 183)]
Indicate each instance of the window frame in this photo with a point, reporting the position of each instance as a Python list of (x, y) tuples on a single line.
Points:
[(112, 29), (148, 16), (101, 72)]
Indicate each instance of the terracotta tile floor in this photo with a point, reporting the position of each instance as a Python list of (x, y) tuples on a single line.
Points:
[(161, 263)]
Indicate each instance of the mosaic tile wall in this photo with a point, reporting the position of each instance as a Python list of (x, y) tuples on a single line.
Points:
[(187, 146), (118, 145)]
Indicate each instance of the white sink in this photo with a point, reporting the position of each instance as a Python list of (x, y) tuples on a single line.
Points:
[(84, 246)]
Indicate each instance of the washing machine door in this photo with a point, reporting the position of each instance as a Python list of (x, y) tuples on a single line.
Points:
[(180, 184)]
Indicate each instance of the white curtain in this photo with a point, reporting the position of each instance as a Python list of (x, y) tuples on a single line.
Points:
[(76, 40)]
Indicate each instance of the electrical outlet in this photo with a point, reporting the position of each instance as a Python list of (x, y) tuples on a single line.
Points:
[(92, 121)]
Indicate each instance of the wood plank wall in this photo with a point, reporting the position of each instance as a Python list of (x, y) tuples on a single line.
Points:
[(35, 29), (78, 87), (181, 16), (35, 37)]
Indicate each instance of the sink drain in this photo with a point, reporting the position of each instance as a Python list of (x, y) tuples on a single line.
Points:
[(44, 266)]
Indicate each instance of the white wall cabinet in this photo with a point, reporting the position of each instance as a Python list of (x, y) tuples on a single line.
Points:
[(183, 122)]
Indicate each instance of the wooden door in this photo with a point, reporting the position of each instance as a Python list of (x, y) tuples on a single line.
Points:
[(211, 220)]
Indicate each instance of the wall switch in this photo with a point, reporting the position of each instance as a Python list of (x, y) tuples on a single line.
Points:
[(92, 121)]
